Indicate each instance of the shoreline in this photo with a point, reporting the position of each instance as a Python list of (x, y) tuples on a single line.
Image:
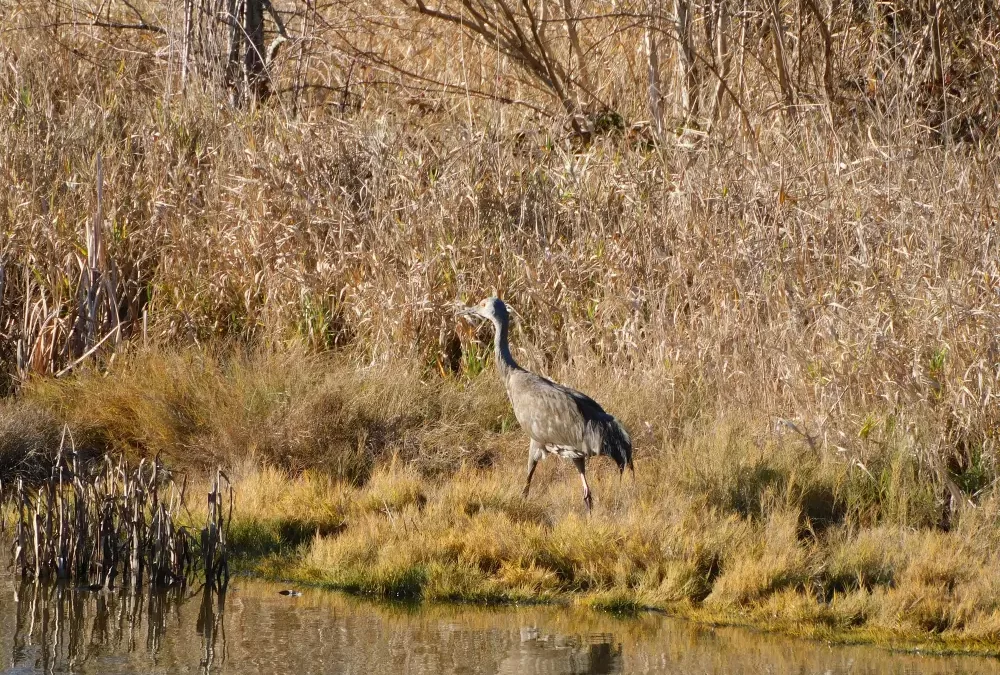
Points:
[(894, 643), (399, 485)]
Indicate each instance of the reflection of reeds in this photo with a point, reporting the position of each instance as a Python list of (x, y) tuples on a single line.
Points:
[(211, 626), (66, 625), (95, 522)]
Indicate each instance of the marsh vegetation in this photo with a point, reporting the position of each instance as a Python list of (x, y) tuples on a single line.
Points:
[(778, 267)]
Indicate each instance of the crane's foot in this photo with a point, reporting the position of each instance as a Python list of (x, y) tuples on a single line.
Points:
[(588, 501), (524, 492)]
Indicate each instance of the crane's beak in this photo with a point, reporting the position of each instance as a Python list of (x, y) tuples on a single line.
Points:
[(466, 311)]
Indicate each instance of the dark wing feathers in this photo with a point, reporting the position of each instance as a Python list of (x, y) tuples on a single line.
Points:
[(589, 408)]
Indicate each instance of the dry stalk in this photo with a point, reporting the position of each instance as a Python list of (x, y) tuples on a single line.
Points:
[(111, 521)]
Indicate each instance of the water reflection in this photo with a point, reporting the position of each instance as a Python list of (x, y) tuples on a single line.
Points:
[(60, 627), (212, 627), (53, 628), (595, 654)]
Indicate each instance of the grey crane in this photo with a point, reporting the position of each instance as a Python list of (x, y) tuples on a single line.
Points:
[(557, 419)]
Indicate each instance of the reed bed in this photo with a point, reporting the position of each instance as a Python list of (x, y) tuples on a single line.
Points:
[(103, 523)]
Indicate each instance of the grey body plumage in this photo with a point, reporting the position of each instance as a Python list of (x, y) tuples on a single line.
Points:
[(558, 420)]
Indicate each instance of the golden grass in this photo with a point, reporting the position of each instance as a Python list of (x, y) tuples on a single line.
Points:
[(655, 549), (289, 410), (728, 520)]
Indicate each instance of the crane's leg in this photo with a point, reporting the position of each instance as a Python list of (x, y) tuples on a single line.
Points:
[(582, 468), (535, 452)]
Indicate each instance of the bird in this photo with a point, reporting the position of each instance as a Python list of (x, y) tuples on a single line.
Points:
[(558, 420)]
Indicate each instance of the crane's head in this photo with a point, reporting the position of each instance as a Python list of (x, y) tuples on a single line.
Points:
[(491, 308)]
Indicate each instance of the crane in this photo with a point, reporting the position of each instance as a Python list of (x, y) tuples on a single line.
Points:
[(558, 420)]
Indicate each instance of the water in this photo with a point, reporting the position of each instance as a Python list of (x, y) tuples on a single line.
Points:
[(256, 630)]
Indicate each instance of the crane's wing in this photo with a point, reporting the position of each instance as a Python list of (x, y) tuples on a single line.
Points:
[(589, 408), (550, 413)]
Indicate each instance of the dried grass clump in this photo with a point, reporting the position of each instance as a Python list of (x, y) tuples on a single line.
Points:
[(287, 410), (276, 515), (29, 439), (868, 560), (392, 490), (769, 563)]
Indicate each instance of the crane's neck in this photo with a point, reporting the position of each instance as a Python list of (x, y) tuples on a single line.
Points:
[(505, 362)]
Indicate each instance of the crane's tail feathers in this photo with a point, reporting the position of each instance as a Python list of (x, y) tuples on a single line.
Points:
[(617, 445), (630, 466)]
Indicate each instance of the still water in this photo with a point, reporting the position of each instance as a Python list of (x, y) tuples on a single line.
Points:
[(257, 630)]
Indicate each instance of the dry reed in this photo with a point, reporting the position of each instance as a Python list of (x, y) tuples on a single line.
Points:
[(96, 524)]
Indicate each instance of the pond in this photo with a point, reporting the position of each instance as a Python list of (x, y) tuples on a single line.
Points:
[(255, 629)]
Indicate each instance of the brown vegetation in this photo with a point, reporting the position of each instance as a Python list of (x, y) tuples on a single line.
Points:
[(107, 523), (730, 519), (786, 285)]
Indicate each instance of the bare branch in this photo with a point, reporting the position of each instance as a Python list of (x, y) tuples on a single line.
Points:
[(111, 25), (824, 30)]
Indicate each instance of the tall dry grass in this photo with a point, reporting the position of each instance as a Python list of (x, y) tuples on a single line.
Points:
[(848, 268)]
